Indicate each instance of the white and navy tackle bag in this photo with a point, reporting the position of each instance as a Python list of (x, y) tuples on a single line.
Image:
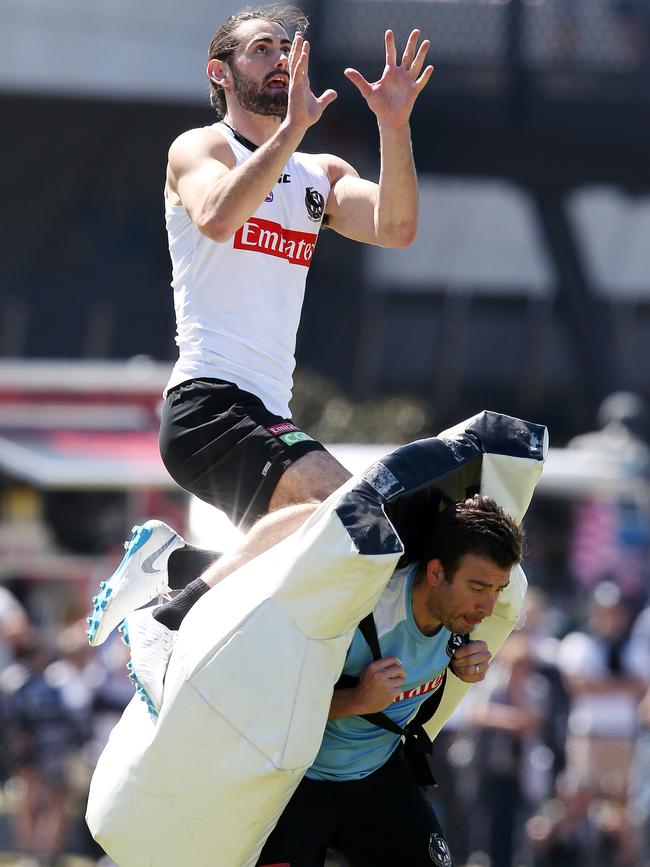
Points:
[(248, 689)]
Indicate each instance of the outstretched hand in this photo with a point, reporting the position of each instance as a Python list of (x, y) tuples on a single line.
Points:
[(304, 109), (392, 97)]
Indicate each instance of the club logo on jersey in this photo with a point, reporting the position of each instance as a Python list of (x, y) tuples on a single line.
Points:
[(455, 641), (266, 236), (314, 203), (439, 851)]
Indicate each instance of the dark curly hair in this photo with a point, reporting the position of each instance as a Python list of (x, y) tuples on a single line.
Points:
[(225, 40), (474, 526)]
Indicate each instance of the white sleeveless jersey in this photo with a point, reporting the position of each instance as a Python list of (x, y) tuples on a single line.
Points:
[(238, 303)]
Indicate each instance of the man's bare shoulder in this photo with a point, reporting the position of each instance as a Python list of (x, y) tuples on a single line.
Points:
[(198, 145), (335, 167)]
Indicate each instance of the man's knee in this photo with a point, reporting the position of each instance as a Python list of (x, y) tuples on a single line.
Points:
[(311, 479)]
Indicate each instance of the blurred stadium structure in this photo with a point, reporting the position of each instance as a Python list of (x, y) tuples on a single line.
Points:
[(528, 288)]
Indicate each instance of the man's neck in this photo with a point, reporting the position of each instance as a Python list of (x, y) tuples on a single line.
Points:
[(424, 620), (257, 128)]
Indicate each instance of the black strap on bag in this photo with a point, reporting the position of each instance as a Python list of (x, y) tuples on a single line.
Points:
[(418, 749)]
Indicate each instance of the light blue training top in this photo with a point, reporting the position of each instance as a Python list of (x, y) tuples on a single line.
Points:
[(352, 748)]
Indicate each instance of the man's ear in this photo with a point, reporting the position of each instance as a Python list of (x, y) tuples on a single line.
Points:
[(219, 72), (435, 573)]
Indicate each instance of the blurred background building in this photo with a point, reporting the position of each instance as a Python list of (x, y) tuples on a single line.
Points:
[(527, 291), (528, 285)]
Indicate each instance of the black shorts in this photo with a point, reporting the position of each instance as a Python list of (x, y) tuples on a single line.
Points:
[(224, 446), (383, 820)]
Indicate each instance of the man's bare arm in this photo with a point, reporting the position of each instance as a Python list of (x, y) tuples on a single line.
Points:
[(385, 213), (357, 208)]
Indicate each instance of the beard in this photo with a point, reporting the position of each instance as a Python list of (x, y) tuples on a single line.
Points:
[(256, 98)]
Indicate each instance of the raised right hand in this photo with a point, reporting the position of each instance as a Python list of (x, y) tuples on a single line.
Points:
[(303, 109)]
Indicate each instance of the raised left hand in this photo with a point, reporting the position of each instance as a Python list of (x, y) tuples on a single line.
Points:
[(471, 661), (392, 97)]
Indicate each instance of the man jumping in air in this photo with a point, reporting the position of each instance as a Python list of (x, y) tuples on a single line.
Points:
[(243, 210)]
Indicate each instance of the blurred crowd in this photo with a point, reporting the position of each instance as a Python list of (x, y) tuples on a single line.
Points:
[(59, 699)]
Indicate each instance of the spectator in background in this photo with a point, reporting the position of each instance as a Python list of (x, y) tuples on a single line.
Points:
[(536, 623), (544, 645), (562, 833), (611, 538), (73, 674), (42, 734), (15, 630), (640, 784), (515, 766), (111, 692), (624, 427), (94, 692), (14, 626), (640, 776), (607, 674)]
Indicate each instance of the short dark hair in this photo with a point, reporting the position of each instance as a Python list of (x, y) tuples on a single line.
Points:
[(473, 526), (225, 41)]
